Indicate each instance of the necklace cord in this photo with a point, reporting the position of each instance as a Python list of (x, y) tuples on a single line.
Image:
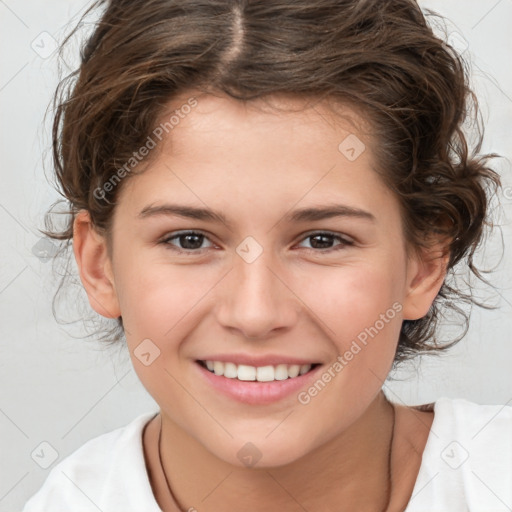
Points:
[(390, 451)]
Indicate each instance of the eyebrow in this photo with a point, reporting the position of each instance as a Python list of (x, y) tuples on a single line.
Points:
[(301, 215)]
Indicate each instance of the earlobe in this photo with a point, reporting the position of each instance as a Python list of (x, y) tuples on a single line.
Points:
[(426, 274), (94, 266)]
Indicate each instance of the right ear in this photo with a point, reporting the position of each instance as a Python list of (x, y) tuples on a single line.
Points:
[(94, 266)]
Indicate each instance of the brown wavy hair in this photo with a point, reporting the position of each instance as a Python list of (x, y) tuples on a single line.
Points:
[(380, 57)]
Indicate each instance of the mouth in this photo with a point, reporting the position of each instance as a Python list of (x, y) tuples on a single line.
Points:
[(257, 385), (247, 373)]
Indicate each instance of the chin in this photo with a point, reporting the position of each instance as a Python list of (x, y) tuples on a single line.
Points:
[(263, 454)]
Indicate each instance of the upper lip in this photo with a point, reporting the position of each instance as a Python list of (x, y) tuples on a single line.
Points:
[(265, 360)]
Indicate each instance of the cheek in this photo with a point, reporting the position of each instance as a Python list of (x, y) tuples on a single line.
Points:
[(349, 300), (160, 301), (360, 311), (161, 305)]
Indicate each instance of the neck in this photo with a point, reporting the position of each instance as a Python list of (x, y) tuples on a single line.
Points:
[(352, 469)]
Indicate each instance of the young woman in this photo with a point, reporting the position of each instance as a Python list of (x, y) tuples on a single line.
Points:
[(269, 199)]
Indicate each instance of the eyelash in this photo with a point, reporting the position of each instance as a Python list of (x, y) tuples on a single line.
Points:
[(344, 242)]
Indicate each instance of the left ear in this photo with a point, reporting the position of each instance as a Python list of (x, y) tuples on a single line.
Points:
[(425, 275)]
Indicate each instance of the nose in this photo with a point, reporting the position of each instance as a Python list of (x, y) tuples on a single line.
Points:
[(255, 299)]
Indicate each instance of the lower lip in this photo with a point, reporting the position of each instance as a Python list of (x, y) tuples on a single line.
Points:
[(254, 392)]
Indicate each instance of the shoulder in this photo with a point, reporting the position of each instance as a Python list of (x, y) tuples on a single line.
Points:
[(467, 459), (106, 473), (477, 426)]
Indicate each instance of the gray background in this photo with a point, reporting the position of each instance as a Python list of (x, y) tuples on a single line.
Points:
[(58, 388)]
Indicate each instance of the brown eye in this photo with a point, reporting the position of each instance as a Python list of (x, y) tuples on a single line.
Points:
[(323, 241), (185, 241)]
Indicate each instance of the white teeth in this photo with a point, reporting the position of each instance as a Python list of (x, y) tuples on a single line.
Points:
[(264, 373), (260, 373), (218, 368), (304, 369), (246, 372), (293, 370), (230, 370), (281, 372)]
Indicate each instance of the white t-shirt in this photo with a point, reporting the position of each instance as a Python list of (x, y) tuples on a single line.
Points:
[(466, 467)]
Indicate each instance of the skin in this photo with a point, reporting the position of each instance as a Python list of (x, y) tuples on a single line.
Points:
[(256, 166)]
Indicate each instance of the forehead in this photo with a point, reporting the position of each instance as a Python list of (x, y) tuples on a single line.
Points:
[(260, 158), (292, 112), (279, 133)]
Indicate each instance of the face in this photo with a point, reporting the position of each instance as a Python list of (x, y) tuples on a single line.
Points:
[(263, 279)]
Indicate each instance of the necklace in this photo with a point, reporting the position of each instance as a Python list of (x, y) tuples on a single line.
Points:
[(173, 498), (390, 450)]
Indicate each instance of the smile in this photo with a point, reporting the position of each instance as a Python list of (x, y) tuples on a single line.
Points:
[(266, 373)]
